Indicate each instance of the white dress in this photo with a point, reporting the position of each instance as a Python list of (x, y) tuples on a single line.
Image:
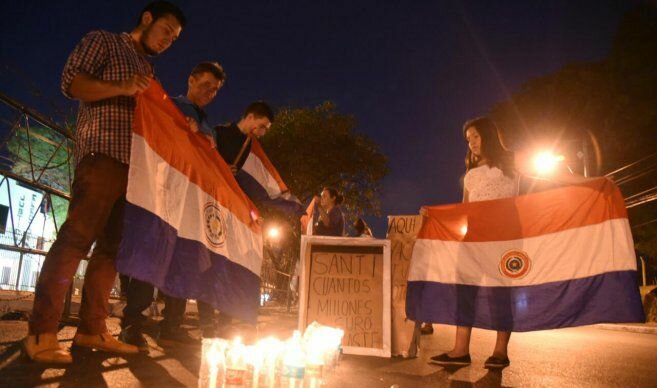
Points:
[(485, 183)]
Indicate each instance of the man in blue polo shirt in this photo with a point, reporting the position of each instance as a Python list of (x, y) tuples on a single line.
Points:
[(202, 86)]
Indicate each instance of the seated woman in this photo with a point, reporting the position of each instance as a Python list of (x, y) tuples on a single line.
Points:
[(331, 220)]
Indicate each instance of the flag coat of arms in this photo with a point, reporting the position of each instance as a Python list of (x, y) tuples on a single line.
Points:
[(264, 185), (559, 258), (189, 229)]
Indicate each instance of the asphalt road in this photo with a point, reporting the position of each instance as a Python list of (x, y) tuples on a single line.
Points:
[(586, 356), (575, 357)]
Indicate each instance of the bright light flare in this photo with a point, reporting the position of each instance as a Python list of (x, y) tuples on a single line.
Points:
[(545, 162), (273, 233), (215, 354)]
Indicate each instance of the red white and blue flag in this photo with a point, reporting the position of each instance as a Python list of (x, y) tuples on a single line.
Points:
[(189, 229), (263, 184), (559, 258)]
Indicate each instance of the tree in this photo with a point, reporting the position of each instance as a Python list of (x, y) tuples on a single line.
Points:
[(614, 99), (46, 158), (317, 147), (312, 148)]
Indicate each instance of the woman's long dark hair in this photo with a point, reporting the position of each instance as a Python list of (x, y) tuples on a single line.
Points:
[(333, 193), (491, 147)]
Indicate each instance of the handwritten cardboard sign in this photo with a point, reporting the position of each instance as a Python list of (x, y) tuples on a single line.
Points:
[(345, 283), (402, 232)]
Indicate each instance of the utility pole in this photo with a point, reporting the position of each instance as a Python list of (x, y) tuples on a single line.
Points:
[(585, 155), (643, 270)]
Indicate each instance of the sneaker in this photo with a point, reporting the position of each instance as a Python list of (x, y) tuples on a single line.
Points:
[(445, 359), (497, 362), (132, 335), (176, 337)]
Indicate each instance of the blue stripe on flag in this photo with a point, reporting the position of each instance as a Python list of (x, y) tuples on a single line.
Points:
[(610, 297), (260, 197), (185, 268)]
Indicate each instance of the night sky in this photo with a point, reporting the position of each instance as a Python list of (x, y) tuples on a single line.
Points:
[(411, 72)]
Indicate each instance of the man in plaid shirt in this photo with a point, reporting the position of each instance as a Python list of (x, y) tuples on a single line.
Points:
[(104, 72)]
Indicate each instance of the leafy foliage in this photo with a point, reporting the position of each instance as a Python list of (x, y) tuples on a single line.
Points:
[(614, 99), (317, 147), (44, 158)]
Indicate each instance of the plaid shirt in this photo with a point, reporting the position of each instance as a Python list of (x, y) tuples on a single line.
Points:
[(105, 126)]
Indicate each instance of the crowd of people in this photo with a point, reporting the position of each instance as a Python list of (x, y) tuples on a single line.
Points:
[(104, 72)]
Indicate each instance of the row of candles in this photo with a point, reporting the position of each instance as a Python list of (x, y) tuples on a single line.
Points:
[(300, 361)]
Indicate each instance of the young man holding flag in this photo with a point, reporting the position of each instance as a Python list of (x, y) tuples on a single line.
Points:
[(104, 72), (203, 83), (238, 145)]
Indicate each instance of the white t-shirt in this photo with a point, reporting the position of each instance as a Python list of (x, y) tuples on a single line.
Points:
[(485, 183)]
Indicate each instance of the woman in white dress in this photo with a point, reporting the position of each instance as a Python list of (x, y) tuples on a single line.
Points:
[(490, 174)]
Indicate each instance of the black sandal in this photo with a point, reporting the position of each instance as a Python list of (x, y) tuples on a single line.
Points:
[(445, 359), (497, 362)]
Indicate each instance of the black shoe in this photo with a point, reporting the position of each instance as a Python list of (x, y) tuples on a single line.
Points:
[(445, 359), (132, 335), (176, 337), (497, 362), (426, 329)]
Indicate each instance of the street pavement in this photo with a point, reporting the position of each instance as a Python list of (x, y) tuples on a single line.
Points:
[(592, 356)]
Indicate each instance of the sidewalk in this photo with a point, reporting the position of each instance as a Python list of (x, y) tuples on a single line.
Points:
[(644, 328)]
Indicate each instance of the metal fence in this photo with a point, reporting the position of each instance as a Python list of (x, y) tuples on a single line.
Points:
[(35, 167), (277, 277), (19, 270)]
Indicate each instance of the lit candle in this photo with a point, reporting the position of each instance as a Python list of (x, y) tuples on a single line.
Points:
[(269, 350), (254, 358), (294, 361), (298, 361), (235, 365), (215, 358)]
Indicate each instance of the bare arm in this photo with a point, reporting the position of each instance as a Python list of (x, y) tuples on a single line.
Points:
[(89, 89), (465, 196)]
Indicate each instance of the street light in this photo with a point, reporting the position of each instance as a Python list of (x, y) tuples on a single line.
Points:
[(545, 162)]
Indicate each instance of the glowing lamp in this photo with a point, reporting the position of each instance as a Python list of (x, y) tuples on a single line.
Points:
[(545, 162)]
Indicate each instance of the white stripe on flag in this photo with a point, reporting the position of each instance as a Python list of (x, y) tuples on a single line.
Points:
[(169, 194), (254, 167), (569, 254)]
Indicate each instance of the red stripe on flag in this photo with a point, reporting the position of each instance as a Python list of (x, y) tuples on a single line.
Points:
[(165, 129), (256, 148), (531, 215)]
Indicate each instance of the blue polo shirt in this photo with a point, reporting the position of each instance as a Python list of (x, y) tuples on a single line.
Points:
[(189, 109)]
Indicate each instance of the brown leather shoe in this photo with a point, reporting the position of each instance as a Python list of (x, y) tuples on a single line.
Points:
[(426, 329), (45, 348), (105, 342)]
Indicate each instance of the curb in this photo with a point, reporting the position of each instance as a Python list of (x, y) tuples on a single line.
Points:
[(643, 329)]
